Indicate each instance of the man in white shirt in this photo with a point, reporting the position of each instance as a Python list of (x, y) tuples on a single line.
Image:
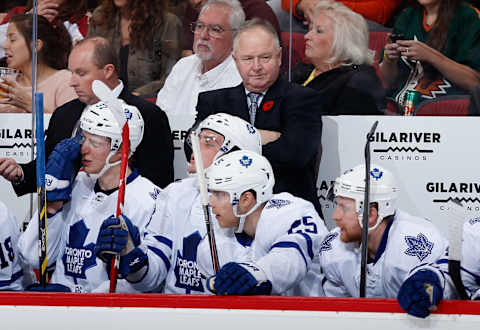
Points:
[(211, 67)]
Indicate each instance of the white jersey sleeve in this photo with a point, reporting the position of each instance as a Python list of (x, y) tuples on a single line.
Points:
[(11, 273)]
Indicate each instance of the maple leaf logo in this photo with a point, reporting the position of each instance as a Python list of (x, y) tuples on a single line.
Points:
[(77, 258), (186, 270)]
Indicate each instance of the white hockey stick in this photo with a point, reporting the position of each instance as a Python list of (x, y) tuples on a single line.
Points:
[(456, 220), (105, 95), (204, 198)]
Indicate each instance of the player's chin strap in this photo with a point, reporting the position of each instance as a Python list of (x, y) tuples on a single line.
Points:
[(243, 217), (108, 165)]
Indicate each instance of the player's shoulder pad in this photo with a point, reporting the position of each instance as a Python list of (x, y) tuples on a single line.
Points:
[(415, 237), (472, 227)]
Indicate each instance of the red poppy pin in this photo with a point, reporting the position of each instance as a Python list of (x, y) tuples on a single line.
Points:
[(267, 106)]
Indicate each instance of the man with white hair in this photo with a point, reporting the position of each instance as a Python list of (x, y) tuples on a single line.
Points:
[(212, 66)]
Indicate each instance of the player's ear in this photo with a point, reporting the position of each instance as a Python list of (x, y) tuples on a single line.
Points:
[(372, 220)]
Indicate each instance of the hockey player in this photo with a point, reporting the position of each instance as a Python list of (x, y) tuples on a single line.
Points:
[(272, 240), (397, 241), (180, 220), (11, 273), (429, 284), (76, 210)]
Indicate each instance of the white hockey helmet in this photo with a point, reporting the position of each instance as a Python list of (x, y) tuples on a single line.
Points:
[(238, 172), (99, 119), (236, 132), (383, 190)]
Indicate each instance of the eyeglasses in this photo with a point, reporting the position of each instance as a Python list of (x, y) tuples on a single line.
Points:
[(95, 141), (214, 30), (249, 60)]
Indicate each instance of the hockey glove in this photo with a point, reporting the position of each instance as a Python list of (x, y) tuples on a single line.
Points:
[(420, 293), (59, 169), (120, 236), (240, 279)]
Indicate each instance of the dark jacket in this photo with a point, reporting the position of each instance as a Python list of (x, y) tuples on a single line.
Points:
[(349, 90), (290, 109), (153, 157)]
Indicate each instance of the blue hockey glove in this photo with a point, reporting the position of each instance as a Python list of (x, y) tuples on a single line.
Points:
[(120, 236), (59, 169), (420, 293), (240, 279)]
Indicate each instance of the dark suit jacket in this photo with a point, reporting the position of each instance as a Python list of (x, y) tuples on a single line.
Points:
[(296, 113), (153, 157)]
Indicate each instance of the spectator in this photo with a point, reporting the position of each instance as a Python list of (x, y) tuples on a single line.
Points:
[(379, 11), (212, 66), (287, 115), (95, 59), (337, 47), (439, 50), (53, 48), (146, 37), (252, 8), (72, 13)]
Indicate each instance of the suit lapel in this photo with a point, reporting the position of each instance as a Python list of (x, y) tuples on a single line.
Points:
[(271, 103)]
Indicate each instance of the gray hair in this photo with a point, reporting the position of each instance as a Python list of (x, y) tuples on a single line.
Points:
[(257, 23), (350, 34), (237, 15)]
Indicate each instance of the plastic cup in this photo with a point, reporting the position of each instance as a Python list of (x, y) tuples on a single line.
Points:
[(6, 73)]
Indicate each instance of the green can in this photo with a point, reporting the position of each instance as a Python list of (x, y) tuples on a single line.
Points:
[(412, 98)]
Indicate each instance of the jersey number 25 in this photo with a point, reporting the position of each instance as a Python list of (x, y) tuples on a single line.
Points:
[(303, 226)]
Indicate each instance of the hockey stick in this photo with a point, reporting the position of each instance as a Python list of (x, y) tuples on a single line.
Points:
[(456, 219), (105, 95), (204, 198), (41, 192), (366, 213)]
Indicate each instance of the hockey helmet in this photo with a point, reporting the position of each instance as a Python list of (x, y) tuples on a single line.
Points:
[(238, 172), (383, 190), (236, 132)]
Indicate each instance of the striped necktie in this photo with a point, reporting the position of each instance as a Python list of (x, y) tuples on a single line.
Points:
[(253, 106)]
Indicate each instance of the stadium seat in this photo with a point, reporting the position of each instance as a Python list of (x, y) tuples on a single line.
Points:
[(451, 105)]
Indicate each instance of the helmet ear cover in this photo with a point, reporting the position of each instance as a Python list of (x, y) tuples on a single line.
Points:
[(383, 190), (239, 172)]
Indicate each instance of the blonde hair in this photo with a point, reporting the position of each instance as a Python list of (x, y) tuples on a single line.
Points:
[(350, 34)]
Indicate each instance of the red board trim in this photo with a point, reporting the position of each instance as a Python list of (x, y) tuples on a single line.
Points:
[(232, 302)]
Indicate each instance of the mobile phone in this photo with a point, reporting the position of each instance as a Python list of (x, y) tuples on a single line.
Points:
[(397, 36)]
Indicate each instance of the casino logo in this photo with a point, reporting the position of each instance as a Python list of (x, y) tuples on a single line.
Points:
[(16, 143), (405, 146), (322, 191), (466, 192)]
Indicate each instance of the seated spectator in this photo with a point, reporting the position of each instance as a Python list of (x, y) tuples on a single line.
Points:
[(146, 37), (11, 274), (267, 242), (53, 48), (379, 11), (438, 51), (397, 242), (252, 8), (76, 211), (212, 66), (287, 115), (72, 13), (94, 59), (337, 47)]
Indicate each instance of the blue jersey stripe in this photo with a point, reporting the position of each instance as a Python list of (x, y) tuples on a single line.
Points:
[(290, 245), (164, 240), (15, 277), (161, 255), (309, 245)]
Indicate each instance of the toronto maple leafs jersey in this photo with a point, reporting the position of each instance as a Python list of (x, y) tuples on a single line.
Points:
[(180, 221), (469, 265), (287, 235), (73, 231), (10, 267), (407, 242)]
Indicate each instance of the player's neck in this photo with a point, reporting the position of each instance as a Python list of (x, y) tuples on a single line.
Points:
[(111, 178), (252, 220), (374, 239)]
